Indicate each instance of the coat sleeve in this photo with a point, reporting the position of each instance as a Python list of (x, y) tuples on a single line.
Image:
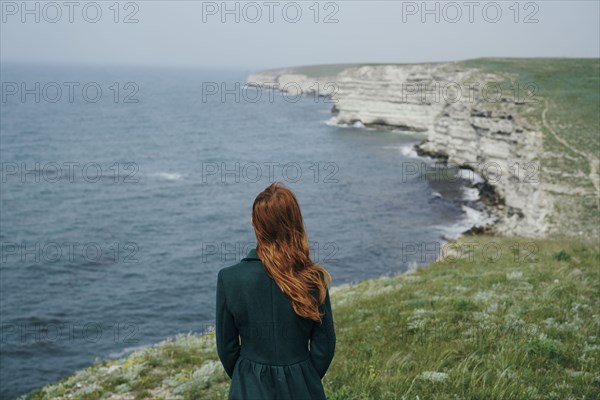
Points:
[(227, 335), (322, 340)]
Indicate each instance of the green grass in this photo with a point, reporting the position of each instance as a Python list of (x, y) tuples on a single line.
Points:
[(523, 326), (571, 84), (496, 318)]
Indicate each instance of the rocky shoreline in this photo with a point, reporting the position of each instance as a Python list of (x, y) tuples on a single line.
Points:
[(471, 123)]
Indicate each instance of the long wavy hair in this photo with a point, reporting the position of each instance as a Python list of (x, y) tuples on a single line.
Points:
[(284, 251)]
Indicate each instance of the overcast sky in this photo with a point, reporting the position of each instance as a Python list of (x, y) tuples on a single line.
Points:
[(285, 33)]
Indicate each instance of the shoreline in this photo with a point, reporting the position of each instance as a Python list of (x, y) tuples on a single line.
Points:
[(495, 138), (479, 215)]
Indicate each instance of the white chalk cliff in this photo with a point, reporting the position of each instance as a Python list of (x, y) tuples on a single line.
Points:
[(465, 125)]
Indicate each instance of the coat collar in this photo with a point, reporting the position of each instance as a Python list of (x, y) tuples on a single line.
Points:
[(252, 255)]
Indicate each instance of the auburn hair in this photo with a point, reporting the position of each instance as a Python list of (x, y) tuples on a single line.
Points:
[(284, 251)]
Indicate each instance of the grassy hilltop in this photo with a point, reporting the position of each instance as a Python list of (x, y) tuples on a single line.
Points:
[(494, 318)]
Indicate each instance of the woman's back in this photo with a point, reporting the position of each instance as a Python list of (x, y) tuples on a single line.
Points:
[(268, 350), (274, 326)]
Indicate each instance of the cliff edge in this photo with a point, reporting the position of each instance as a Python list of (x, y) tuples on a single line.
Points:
[(491, 120)]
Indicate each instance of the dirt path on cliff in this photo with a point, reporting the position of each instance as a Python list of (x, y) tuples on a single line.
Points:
[(593, 161)]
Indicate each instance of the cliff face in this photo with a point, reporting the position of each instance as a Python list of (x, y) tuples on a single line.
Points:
[(288, 80), (470, 123), (389, 95), (495, 143)]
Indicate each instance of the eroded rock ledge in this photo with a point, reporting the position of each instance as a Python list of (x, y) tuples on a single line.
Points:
[(469, 121)]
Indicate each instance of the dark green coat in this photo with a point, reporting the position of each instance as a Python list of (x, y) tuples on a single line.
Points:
[(281, 355)]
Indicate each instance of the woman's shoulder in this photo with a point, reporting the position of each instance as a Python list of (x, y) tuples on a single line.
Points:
[(242, 268)]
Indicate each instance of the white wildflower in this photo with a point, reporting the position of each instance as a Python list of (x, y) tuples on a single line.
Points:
[(483, 296), (412, 268), (591, 348), (469, 332), (487, 325), (579, 374), (513, 322), (576, 307), (514, 275), (434, 376), (86, 390), (207, 370), (417, 324), (110, 369), (533, 329), (492, 308), (481, 316)]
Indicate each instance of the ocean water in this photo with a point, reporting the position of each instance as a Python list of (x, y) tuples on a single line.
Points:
[(118, 210)]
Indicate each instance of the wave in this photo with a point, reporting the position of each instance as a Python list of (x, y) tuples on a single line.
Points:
[(436, 195), (408, 150), (167, 176), (471, 218), (470, 194), (470, 175), (355, 125)]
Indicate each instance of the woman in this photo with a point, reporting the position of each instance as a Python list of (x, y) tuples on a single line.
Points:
[(274, 327)]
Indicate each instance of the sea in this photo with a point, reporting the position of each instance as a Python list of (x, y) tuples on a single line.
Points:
[(125, 189)]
